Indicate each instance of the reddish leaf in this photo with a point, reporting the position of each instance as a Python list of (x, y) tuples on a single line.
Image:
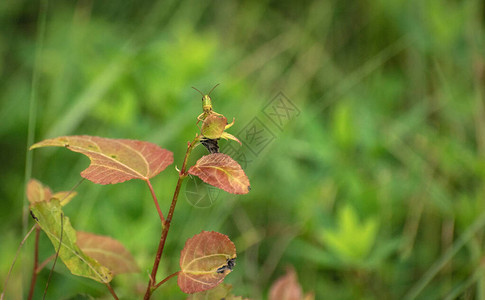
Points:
[(219, 292), (221, 171), (204, 261), (108, 252), (37, 192), (288, 288), (114, 160), (222, 291)]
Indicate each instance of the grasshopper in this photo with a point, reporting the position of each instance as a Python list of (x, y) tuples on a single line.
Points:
[(207, 107), (212, 129)]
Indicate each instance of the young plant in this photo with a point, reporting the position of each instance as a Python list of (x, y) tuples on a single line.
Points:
[(206, 258)]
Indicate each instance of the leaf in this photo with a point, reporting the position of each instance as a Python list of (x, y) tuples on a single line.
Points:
[(222, 291), (114, 160), (37, 192), (204, 261), (352, 240), (48, 215), (221, 171), (228, 136), (108, 252), (213, 126), (219, 292), (286, 287), (64, 197)]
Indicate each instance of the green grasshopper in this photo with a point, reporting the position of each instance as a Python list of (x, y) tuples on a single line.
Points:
[(210, 118), (206, 105)]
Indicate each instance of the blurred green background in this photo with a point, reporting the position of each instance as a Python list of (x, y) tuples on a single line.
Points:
[(375, 190)]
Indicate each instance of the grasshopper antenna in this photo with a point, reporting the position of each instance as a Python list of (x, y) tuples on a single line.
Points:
[(213, 89), (199, 91)]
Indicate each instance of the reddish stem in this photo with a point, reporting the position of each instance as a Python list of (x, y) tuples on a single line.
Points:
[(166, 225), (44, 263), (112, 291), (155, 201), (36, 263), (166, 279)]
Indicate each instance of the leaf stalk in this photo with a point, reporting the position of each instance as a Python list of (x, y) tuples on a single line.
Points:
[(152, 286), (36, 263), (162, 219)]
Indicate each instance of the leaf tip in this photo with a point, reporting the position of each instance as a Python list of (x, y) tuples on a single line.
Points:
[(34, 146)]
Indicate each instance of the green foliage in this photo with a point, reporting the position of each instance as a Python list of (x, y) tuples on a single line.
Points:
[(49, 215), (391, 125), (352, 240)]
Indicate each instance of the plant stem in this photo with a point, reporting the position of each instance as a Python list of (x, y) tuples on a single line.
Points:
[(44, 263), (166, 225), (14, 260), (112, 291), (57, 256), (36, 263), (155, 201), (166, 279)]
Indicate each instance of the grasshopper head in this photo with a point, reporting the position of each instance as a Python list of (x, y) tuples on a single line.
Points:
[(206, 103), (206, 99)]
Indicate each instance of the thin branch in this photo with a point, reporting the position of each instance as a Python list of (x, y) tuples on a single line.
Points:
[(163, 238), (14, 260), (36, 263), (166, 226), (166, 279), (44, 263), (57, 255), (72, 189), (155, 201), (111, 291)]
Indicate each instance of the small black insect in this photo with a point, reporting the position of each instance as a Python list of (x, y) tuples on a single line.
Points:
[(33, 216), (210, 144), (230, 264)]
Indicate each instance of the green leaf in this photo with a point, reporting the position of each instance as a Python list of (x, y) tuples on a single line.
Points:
[(64, 197), (48, 215), (352, 240), (213, 126), (228, 136)]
